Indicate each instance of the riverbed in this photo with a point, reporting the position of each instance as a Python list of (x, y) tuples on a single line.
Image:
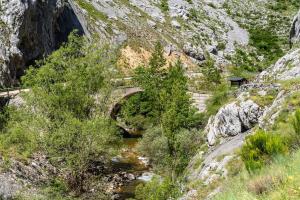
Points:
[(134, 165)]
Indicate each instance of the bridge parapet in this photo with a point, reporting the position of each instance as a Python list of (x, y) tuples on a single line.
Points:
[(11, 92)]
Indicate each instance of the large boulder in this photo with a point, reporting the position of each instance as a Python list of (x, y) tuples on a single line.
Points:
[(295, 30), (29, 30), (232, 119)]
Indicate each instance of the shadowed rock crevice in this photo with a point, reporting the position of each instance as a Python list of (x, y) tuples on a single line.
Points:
[(40, 28)]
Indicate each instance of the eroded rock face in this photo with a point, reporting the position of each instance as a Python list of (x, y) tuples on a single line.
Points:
[(295, 30), (29, 30), (232, 119), (286, 68), (21, 178)]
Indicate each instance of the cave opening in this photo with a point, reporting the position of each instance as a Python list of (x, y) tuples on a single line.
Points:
[(42, 32)]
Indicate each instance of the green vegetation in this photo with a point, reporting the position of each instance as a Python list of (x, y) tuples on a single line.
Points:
[(212, 75), (245, 64), (164, 5), (271, 159), (158, 189), (92, 11), (260, 148), (284, 5), (279, 180), (61, 118), (296, 126), (220, 96), (267, 43), (170, 122), (167, 106)]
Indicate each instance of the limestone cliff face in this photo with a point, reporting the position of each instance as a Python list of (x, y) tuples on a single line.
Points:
[(29, 30), (295, 30)]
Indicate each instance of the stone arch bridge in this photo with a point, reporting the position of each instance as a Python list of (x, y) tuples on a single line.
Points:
[(118, 96)]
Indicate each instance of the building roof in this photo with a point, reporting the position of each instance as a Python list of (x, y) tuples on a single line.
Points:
[(236, 79)]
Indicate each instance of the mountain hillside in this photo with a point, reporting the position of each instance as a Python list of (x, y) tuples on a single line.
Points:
[(185, 27), (149, 99)]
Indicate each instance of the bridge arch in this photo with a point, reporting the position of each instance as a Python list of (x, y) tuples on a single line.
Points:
[(125, 94)]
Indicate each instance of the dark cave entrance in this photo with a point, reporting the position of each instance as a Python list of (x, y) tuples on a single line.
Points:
[(41, 33)]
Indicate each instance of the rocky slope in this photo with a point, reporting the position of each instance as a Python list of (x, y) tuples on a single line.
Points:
[(227, 130), (32, 29)]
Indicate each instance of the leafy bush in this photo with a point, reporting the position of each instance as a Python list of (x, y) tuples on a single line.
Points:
[(273, 182), (283, 5), (19, 138), (4, 117), (296, 126), (61, 117), (158, 189), (260, 148), (164, 5), (154, 145), (211, 73), (219, 97), (267, 43)]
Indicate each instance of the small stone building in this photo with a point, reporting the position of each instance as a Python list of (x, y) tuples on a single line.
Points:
[(237, 81)]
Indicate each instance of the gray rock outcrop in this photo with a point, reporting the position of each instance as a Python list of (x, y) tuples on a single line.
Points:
[(29, 30), (286, 68), (295, 30), (232, 119)]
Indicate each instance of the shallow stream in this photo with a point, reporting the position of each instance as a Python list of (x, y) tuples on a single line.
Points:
[(133, 164)]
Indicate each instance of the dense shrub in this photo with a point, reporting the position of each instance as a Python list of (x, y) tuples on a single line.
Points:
[(283, 5), (267, 43), (61, 117), (19, 137), (295, 136), (260, 149), (164, 5), (155, 146), (212, 74), (219, 97), (158, 189)]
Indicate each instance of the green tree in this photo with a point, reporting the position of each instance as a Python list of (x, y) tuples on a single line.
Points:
[(61, 117), (211, 73), (150, 78), (164, 5), (168, 101)]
